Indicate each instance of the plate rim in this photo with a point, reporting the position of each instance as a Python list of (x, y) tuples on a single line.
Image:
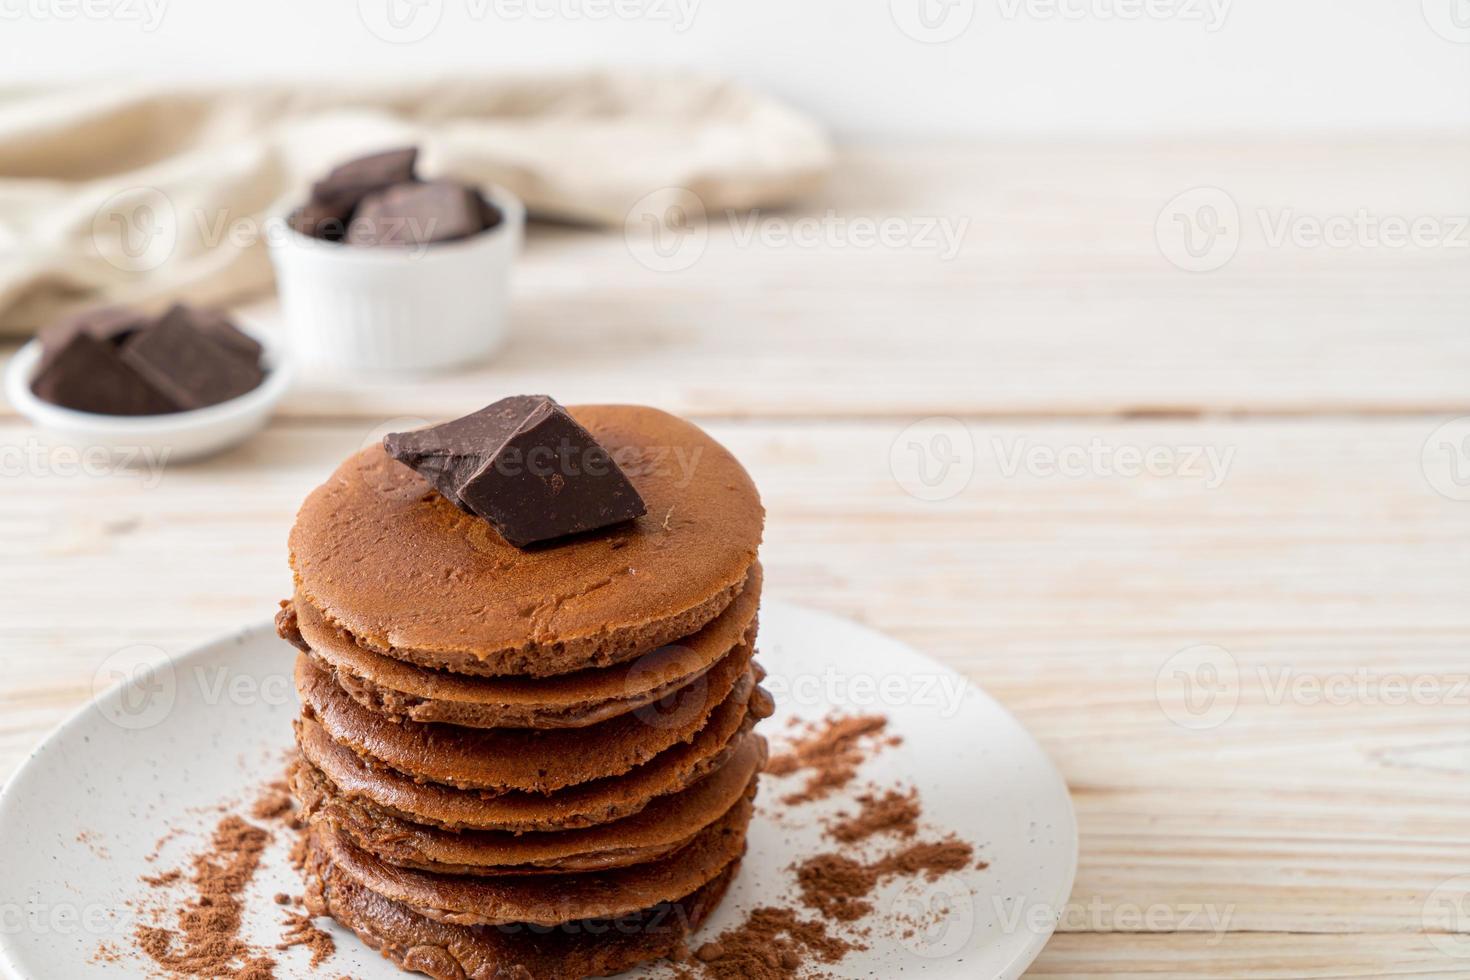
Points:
[(1023, 958)]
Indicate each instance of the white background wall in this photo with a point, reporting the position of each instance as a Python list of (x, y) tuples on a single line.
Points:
[(1014, 66)]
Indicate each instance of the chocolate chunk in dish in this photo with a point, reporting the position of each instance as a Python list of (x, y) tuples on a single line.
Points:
[(319, 220), (89, 375), (348, 183), (334, 197), (217, 327), (526, 466), (189, 368), (379, 201), (417, 214), (112, 324)]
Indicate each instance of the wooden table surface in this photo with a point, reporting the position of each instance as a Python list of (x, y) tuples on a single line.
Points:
[(1249, 660)]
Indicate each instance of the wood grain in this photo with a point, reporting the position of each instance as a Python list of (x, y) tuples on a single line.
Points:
[(1301, 823), (1058, 300)]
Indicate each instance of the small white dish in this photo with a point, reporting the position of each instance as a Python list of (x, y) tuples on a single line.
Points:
[(171, 743), (397, 310), (175, 437)]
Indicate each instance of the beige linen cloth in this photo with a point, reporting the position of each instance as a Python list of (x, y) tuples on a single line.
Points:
[(152, 193)]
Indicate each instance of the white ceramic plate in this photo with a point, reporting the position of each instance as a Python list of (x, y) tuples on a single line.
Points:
[(169, 745)]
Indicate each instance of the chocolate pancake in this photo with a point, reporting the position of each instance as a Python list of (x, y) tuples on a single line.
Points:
[(394, 794), (450, 952), (406, 692), (546, 900), (388, 559), (663, 827), (521, 758)]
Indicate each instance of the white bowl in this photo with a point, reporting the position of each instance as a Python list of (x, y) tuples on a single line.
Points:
[(174, 437), (413, 309)]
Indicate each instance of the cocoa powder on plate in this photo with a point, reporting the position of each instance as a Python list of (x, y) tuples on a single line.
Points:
[(830, 753), (206, 942)]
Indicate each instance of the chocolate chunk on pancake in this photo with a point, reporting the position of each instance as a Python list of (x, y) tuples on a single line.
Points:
[(547, 900), (519, 758), (377, 786), (450, 952), (388, 559), (663, 827), (405, 692)]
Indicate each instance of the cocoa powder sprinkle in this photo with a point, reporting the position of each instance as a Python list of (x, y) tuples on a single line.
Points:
[(207, 941), (831, 753), (771, 944), (302, 931), (893, 813), (840, 887)]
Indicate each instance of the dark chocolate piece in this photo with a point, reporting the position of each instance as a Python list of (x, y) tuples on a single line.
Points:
[(490, 215), (524, 465), (320, 220), (111, 324), (333, 198), (417, 214), (90, 375), (347, 184), (218, 328), (187, 366)]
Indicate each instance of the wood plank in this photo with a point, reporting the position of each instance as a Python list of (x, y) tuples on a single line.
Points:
[(1059, 300), (1235, 956), (1323, 557)]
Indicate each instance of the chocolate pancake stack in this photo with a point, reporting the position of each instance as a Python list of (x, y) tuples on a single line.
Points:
[(530, 761)]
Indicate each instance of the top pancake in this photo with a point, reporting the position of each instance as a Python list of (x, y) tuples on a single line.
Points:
[(389, 560)]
